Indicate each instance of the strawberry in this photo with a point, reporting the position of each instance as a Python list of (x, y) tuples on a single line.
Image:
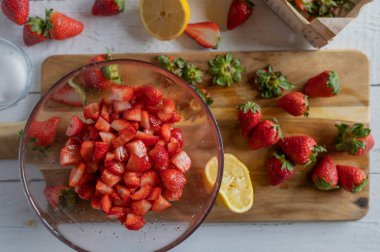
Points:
[(177, 134), (121, 93), (132, 114), (87, 150), (123, 192), (92, 167), (86, 191), (132, 179), (106, 203), (95, 203), (352, 179), (72, 141), (172, 196), (302, 150), (325, 84), (239, 12), (76, 174), (117, 168), (89, 133), (100, 151), (182, 161), (160, 156), (207, 34), (249, 116), (173, 148), (91, 111), (44, 132), (121, 124), (148, 140), (149, 95), (266, 134), (69, 96), (145, 122), (107, 7), (173, 179), (60, 26), (105, 112), (142, 193), (279, 169), (103, 188), (121, 106), (16, 10), (107, 137), (33, 31), (70, 155), (121, 154), (116, 212), (325, 174), (149, 178), (176, 117), (168, 106), (166, 132), (136, 164), (124, 137), (160, 204), (355, 140), (75, 126), (93, 79), (141, 207), (109, 178), (156, 192), (295, 103), (137, 148), (60, 196), (134, 222), (102, 125), (301, 3)]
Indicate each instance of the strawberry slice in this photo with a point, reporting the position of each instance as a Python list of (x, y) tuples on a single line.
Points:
[(177, 134), (117, 168), (75, 126), (91, 111), (160, 156), (168, 106), (166, 132), (165, 117), (89, 133), (160, 204), (124, 137), (100, 151), (103, 188), (70, 155), (173, 179), (116, 212), (141, 207), (134, 222), (102, 125), (86, 191), (176, 117), (123, 192), (106, 203), (133, 114), (149, 95), (145, 122), (173, 148), (121, 154), (207, 34), (109, 178), (132, 179), (95, 203), (72, 141), (181, 161), (121, 93), (142, 193), (107, 137), (86, 150), (136, 164), (121, 203), (121, 106), (149, 140), (91, 166), (109, 157), (156, 192), (138, 148), (149, 178), (121, 124), (105, 112), (68, 96), (172, 196), (44, 132), (76, 174)]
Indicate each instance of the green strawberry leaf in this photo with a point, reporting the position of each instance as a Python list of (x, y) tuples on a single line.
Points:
[(360, 187), (249, 106), (322, 184), (225, 70)]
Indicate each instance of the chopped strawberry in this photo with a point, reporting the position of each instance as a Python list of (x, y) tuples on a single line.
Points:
[(149, 178), (114, 116), (156, 192), (106, 203), (132, 179), (172, 196), (135, 125), (136, 164), (109, 178), (72, 141), (168, 106), (173, 148), (109, 157), (148, 131), (149, 95), (102, 125), (117, 168), (100, 151), (107, 137), (68, 96), (142, 193), (86, 150), (138, 148), (141, 207), (76, 174), (105, 113), (166, 132), (160, 156), (86, 191), (93, 78), (123, 191), (95, 203), (116, 212), (121, 202), (91, 111), (121, 106), (92, 167), (103, 188), (70, 155), (87, 178), (89, 133), (182, 161), (145, 122), (44, 132), (160, 204), (152, 110), (177, 134), (121, 154), (121, 124), (134, 222), (124, 137), (75, 126), (132, 114), (173, 179), (115, 195), (121, 93), (165, 117), (149, 140), (176, 117), (161, 142)]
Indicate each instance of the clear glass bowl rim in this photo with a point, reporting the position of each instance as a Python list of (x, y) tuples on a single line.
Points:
[(178, 81)]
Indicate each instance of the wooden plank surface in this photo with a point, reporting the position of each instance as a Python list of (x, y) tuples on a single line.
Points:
[(350, 106)]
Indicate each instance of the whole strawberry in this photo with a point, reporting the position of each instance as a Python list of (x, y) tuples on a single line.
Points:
[(295, 103), (266, 133), (325, 84), (279, 169), (355, 140), (107, 7), (249, 116), (60, 26), (33, 31), (16, 10), (302, 150), (325, 174), (351, 178), (239, 12)]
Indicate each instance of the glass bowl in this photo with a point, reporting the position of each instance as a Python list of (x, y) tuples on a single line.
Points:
[(15, 72), (86, 229)]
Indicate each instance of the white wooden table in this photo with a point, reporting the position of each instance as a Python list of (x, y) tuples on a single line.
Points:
[(21, 230)]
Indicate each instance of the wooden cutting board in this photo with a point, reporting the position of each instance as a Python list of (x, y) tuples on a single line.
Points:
[(296, 200)]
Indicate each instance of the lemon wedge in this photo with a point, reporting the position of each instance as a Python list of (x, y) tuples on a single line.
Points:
[(165, 19), (236, 191)]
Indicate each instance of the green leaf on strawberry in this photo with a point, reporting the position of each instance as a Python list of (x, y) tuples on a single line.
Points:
[(285, 163), (204, 95), (79, 90), (225, 70)]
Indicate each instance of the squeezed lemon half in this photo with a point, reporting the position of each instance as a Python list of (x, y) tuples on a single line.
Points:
[(236, 191)]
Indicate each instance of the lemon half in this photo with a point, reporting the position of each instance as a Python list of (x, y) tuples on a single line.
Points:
[(236, 191), (165, 19)]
